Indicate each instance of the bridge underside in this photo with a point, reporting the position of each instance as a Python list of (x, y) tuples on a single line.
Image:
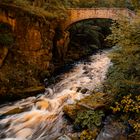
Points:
[(70, 25)]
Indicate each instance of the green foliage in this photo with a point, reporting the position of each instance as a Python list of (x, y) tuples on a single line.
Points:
[(89, 33), (6, 39), (45, 8), (89, 119), (128, 104), (135, 4), (21, 2), (124, 75), (98, 3), (60, 4)]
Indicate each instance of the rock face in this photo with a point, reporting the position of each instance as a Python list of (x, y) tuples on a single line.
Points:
[(29, 58), (34, 35), (3, 54)]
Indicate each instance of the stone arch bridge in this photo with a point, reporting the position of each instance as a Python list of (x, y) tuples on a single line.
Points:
[(79, 14)]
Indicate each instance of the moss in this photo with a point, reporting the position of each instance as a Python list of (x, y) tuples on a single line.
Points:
[(95, 101)]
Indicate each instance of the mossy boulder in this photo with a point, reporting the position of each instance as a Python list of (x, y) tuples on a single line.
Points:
[(96, 101), (71, 110)]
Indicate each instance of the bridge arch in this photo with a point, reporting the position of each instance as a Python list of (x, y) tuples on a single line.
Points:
[(79, 14), (84, 20)]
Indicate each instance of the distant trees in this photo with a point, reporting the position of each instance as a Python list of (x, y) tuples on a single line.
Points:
[(123, 79), (90, 33), (102, 3), (79, 3)]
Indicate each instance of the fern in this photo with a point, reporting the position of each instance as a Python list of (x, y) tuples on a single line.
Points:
[(89, 119)]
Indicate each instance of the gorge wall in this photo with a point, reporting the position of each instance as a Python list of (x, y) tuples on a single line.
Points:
[(33, 34), (29, 58)]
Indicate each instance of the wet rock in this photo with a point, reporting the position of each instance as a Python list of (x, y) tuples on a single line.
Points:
[(85, 68), (64, 137), (4, 125), (113, 131), (86, 72), (2, 135), (12, 110), (23, 93), (78, 89), (84, 90), (74, 136)]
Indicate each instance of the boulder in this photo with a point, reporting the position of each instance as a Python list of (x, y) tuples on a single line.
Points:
[(96, 101), (31, 91), (84, 90), (12, 110), (91, 102), (71, 110), (64, 137), (112, 131)]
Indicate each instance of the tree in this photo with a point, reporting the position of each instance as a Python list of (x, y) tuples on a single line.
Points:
[(124, 75)]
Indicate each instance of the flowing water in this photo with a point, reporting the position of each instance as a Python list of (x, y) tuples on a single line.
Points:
[(42, 118)]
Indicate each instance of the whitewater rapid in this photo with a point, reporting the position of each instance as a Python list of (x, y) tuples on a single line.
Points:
[(42, 118)]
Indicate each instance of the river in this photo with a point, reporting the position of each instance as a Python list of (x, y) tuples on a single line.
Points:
[(41, 117)]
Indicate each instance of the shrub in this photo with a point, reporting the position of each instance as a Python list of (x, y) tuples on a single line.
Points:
[(128, 108), (124, 75), (128, 104), (89, 119), (88, 134)]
